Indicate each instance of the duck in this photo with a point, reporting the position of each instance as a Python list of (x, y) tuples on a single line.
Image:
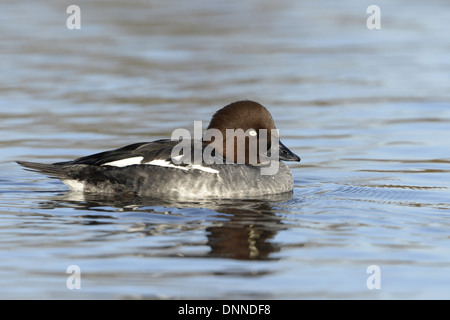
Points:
[(239, 155)]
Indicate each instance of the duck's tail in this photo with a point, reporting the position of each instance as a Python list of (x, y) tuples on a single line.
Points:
[(56, 170)]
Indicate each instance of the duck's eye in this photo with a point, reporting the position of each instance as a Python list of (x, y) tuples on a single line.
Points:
[(252, 133)]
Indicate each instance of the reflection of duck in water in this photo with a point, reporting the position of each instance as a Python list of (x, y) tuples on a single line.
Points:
[(248, 231), (241, 165), (234, 229), (247, 234)]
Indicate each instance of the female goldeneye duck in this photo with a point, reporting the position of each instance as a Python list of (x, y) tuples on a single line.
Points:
[(238, 157)]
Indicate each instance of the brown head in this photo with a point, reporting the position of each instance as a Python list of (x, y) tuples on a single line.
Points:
[(246, 122)]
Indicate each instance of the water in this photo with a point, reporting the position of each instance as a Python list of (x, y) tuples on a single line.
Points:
[(367, 110)]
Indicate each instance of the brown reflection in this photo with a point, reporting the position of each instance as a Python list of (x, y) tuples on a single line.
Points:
[(245, 230), (247, 234)]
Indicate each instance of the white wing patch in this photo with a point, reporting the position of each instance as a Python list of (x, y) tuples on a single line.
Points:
[(158, 162), (202, 168), (165, 163), (124, 162)]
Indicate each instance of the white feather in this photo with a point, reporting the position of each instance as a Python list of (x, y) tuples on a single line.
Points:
[(165, 163), (158, 162), (74, 185), (202, 168), (124, 162)]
